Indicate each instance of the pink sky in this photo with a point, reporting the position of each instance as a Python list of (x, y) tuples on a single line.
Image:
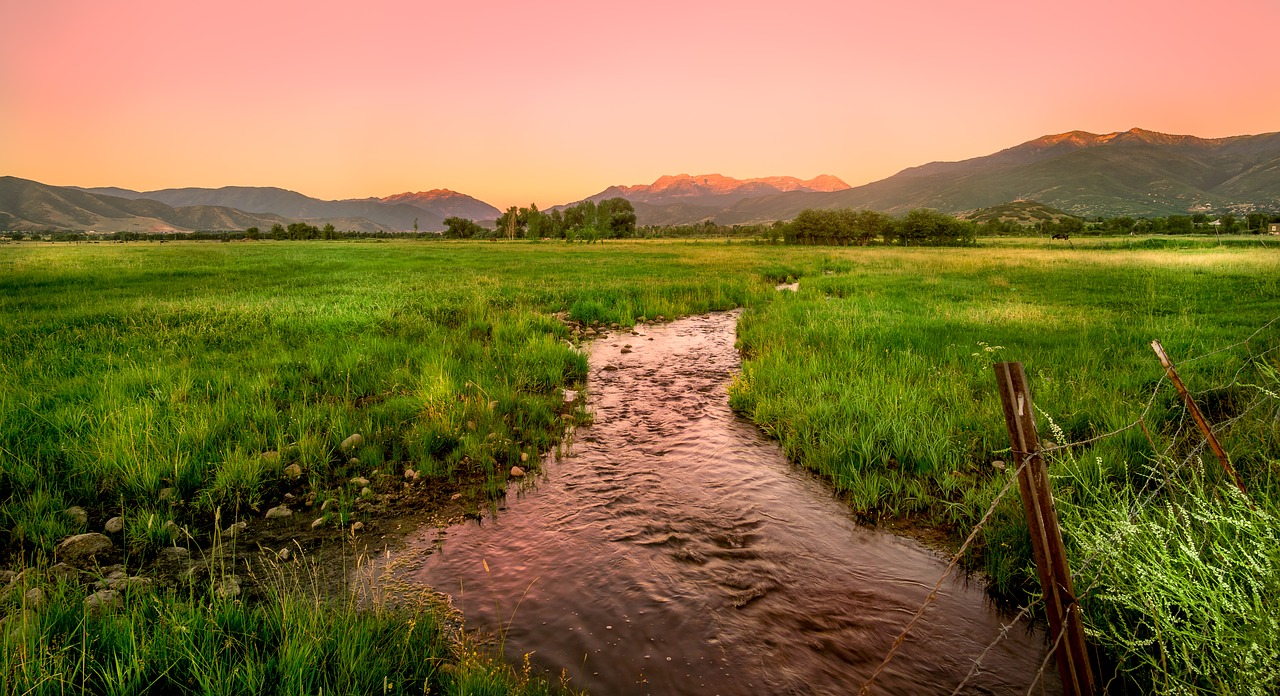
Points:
[(549, 102)]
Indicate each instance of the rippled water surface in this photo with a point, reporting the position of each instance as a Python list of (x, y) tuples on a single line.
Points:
[(673, 550)]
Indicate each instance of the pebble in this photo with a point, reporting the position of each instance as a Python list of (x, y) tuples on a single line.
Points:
[(293, 471), (279, 511), (351, 442), (357, 526), (78, 514), (517, 472), (234, 529), (115, 525), (34, 598), (359, 481), (318, 522)]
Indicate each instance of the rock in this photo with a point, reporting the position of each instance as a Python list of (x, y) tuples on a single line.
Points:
[(229, 588), (271, 456), (103, 600), (64, 572), (34, 598), (115, 525), (353, 461), (284, 554), (365, 492), (233, 530), (570, 396), (279, 511), (524, 456), (642, 319), (172, 528), (410, 474), (624, 351), (471, 425), (165, 494), (293, 471), (356, 526), (351, 442), (455, 496), (493, 405), (289, 497), (78, 514), (998, 465), (7, 576), (319, 522), (359, 481), (1047, 444), (78, 550), (661, 318), (134, 584), (517, 472), (310, 500), (613, 324), (17, 622)]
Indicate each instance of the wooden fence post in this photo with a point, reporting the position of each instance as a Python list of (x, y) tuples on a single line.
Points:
[(1198, 417), (1046, 537)]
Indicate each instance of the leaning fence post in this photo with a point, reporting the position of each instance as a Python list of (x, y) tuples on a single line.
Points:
[(1046, 537), (1199, 418)]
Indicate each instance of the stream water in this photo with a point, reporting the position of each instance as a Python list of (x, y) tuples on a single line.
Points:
[(674, 550)]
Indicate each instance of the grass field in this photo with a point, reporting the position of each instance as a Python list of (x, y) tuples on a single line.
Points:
[(129, 369)]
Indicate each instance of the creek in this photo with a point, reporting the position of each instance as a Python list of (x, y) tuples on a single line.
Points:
[(672, 549)]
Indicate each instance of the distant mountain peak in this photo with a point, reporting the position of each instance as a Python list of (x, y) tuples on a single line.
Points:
[(701, 188), (432, 195)]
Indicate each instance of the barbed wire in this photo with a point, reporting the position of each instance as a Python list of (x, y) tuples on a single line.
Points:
[(1134, 509)]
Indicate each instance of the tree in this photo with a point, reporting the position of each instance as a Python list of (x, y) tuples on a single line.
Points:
[(922, 227), (616, 217), (511, 224), (461, 228)]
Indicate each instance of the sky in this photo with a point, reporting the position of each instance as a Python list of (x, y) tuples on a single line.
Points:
[(549, 102)]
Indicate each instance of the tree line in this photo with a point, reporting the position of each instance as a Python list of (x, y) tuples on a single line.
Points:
[(1197, 223), (847, 226), (612, 218)]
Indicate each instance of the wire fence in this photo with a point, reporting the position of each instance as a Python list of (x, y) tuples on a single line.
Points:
[(1181, 449)]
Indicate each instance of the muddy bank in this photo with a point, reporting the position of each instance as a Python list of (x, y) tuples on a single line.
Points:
[(674, 550)]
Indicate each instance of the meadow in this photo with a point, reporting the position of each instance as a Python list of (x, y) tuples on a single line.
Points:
[(203, 370)]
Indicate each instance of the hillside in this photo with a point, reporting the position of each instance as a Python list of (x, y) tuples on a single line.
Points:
[(30, 205), (1021, 212), (446, 203), (294, 205)]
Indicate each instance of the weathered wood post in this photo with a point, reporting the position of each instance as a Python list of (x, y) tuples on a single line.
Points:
[(1046, 537), (1198, 417)]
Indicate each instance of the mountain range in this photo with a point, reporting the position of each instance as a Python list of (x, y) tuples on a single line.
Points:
[(1135, 172)]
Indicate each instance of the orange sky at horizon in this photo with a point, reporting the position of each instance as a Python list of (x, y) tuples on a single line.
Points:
[(550, 102)]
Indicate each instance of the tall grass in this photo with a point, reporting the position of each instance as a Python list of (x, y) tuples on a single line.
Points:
[(292, 641)]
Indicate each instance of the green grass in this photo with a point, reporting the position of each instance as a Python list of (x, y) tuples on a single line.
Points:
[(132, 368), (291, 642)]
